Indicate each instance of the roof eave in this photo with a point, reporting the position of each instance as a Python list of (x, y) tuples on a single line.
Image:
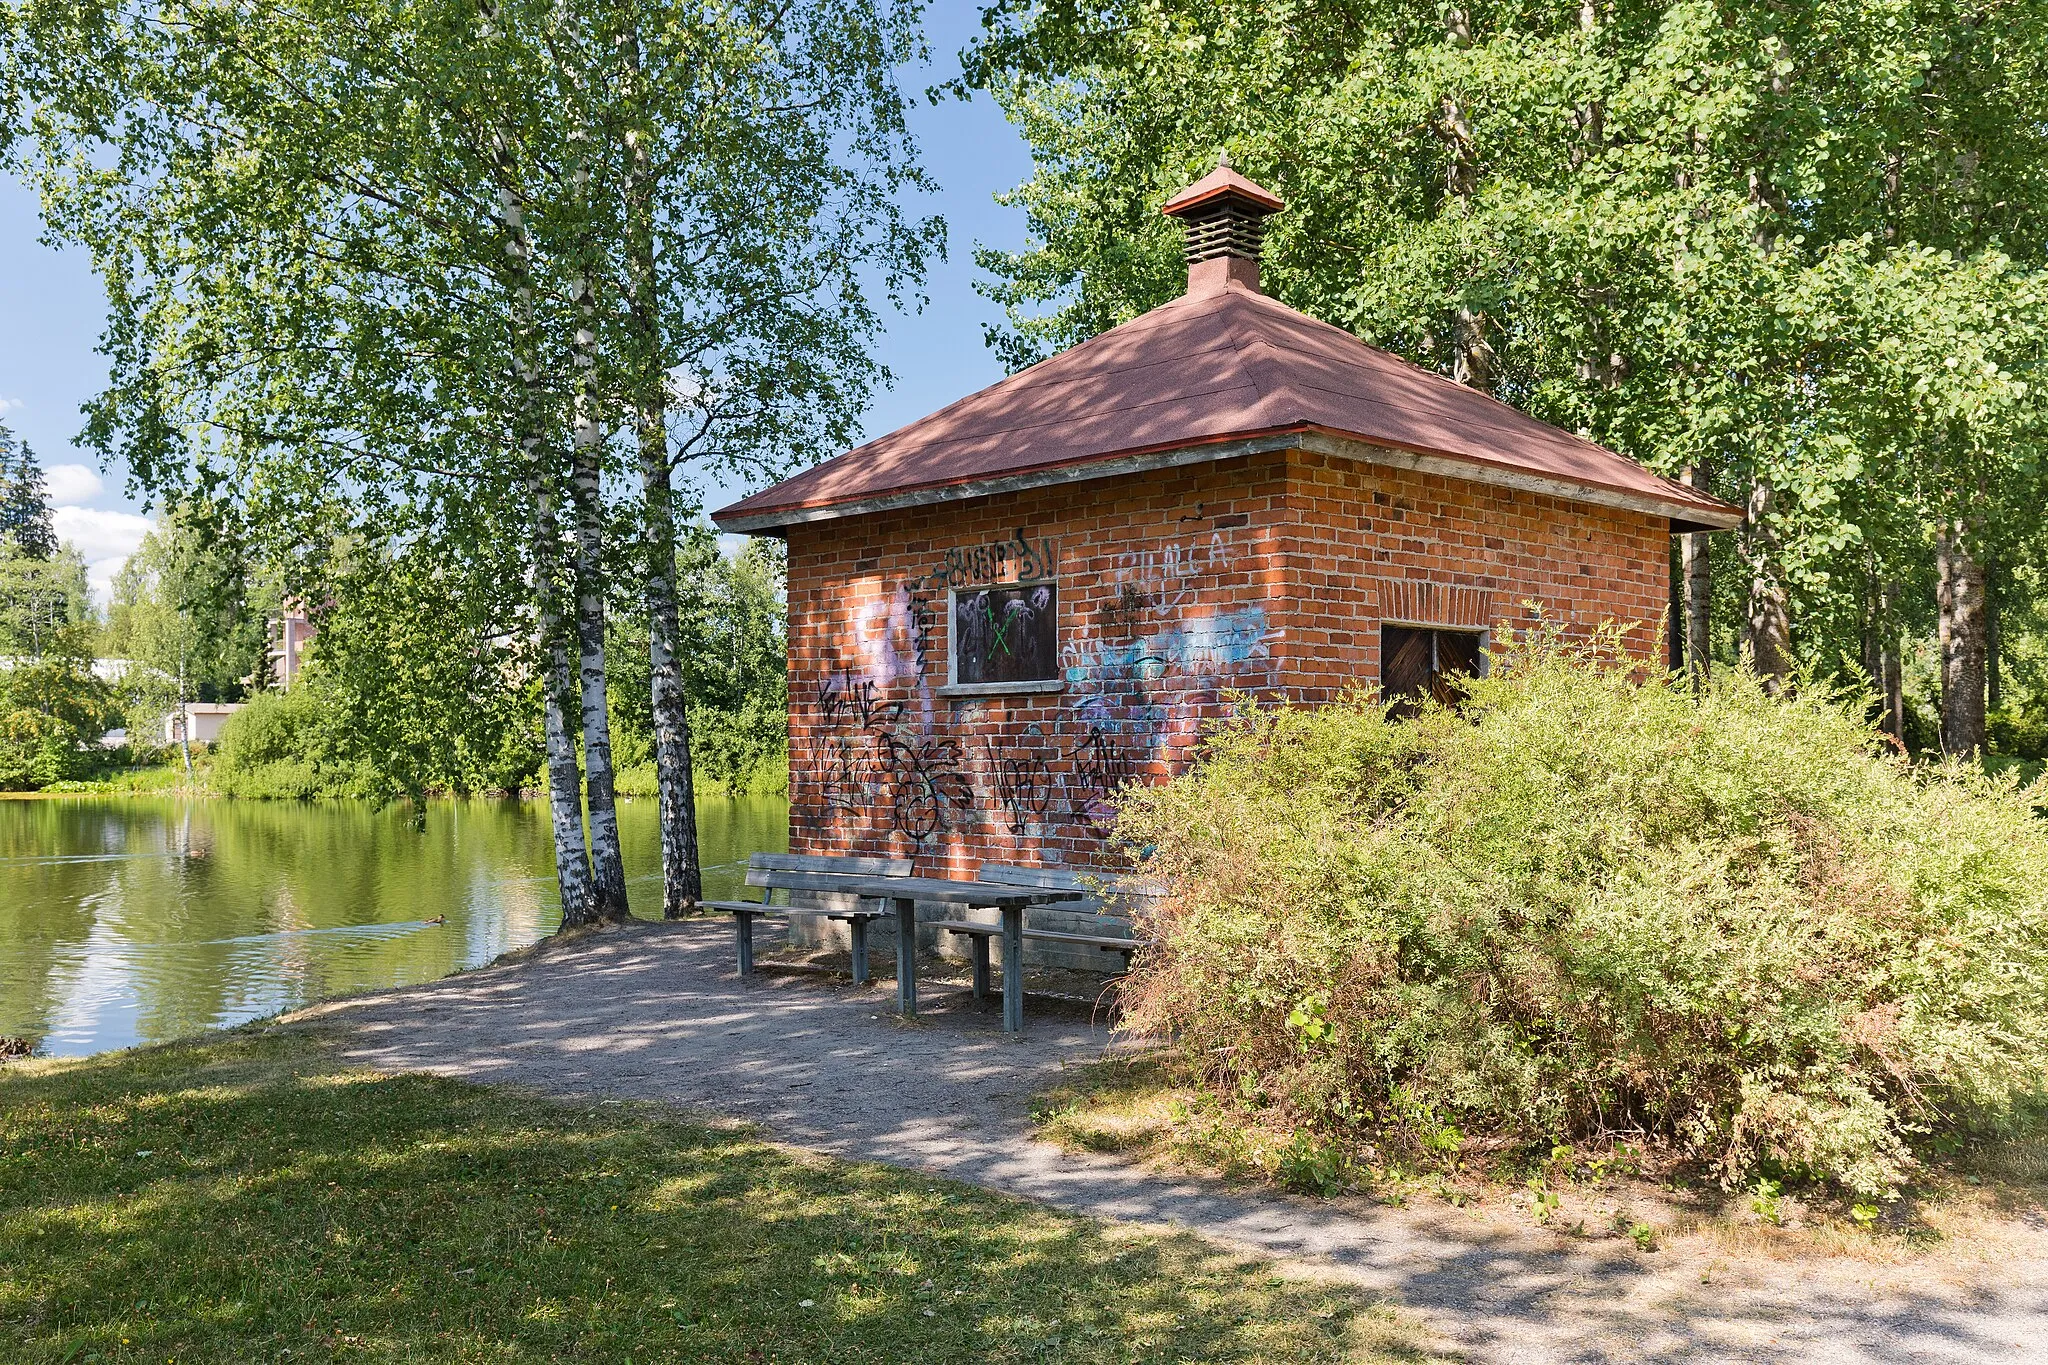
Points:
[(1699, 513)]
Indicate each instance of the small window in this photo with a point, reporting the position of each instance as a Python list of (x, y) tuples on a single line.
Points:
[(1417, 662), (1006, 637)]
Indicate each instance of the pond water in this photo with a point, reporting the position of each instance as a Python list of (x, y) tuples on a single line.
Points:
[(130, 920)]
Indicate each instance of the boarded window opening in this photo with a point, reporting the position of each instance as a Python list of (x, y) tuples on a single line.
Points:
[(1417, 662), (1005, 635)]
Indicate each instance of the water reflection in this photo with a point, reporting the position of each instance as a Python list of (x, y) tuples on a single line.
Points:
[(126, 920)]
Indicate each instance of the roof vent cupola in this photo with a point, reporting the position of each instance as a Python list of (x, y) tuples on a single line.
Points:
[(1224, 218)]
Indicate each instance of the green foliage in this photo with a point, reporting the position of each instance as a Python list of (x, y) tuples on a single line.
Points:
[(734, 672), (1583, 906), (413, 686), (190, 607), (52, 714), (428, 665), (2019, 734), (45, 606), (1797, 247), (732, 657), (282, 746), (25, 518)]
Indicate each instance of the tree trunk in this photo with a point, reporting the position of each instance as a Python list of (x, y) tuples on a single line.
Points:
[(1699, 596), (565, 785), (558, 692), (1960, 597), (682, 883), (1767, 626), (565, 807), (1993, 690), (586, 463), (1894, 678), (1881, 651), (607, 861)]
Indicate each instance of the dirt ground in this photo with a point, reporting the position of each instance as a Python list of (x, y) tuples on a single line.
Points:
[(657, 1012)]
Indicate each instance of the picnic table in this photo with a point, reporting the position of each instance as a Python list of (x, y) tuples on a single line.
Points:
[(903, 894)]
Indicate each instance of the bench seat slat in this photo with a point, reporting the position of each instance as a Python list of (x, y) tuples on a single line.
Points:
[(789, 912), (1109, 941)]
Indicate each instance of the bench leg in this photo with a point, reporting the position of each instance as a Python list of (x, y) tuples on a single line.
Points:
[(859, 924), (906, 957), (745, 923), (1013, 970), (980, 966)]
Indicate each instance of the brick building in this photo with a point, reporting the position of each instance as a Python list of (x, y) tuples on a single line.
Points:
[(1001, 613)]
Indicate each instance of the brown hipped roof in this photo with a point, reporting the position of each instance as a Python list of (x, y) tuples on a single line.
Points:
[(1199, 378)]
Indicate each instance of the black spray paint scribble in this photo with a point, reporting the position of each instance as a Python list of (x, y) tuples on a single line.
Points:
[(993, 562), (920, 780)]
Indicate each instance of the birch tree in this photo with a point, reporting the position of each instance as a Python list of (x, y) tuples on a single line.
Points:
[(755, 160), (375, 267), (333, 299)]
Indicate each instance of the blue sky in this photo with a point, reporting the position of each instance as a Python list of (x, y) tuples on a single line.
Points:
[(52, 309)]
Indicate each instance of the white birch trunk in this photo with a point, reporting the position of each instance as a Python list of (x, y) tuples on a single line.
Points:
[(607, 859), (565, 808), (682, 884), (586, 446)]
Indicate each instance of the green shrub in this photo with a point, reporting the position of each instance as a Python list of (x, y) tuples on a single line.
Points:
[(1581, 908), (2019, 734), (280, 746), (52, 714)]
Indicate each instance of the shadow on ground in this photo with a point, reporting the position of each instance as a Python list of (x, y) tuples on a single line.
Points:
[(657, 1012)]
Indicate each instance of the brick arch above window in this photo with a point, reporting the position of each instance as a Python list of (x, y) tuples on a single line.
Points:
[(1422, 603)]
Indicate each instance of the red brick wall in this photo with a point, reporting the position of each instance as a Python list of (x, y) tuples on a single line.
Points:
[(1369, 544), (1266, 573)]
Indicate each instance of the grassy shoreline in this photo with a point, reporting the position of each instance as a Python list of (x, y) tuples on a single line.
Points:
[(247, 1196)]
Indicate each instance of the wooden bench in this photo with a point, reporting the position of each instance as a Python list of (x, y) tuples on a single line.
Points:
[(1107, 894), (792, 871)]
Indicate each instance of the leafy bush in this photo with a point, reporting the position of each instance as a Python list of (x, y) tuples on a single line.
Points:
[(281, 746), (52, 714), (2018, 734), (1583, 908)]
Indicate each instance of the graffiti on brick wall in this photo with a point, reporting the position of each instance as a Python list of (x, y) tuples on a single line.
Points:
[(1128, 669), (1021, 780), (1102, 763), (1038, 783), (924, 784), (1165, 578), (1019, 559), (886, 762)]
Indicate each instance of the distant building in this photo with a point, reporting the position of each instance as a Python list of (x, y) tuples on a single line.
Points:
[(206, 717), (290, 632)]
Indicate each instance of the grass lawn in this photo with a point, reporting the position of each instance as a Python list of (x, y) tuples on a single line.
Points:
[(244, 1197)]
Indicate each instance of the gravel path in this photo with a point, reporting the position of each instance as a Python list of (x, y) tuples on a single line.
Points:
[(657, 1012)]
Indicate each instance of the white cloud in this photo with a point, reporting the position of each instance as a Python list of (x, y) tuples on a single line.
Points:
[(8, 405), (71, 484), (105, 539)]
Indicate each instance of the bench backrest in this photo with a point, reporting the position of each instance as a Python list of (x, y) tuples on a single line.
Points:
[(1125, 894), (763, 867), (852, 867)]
